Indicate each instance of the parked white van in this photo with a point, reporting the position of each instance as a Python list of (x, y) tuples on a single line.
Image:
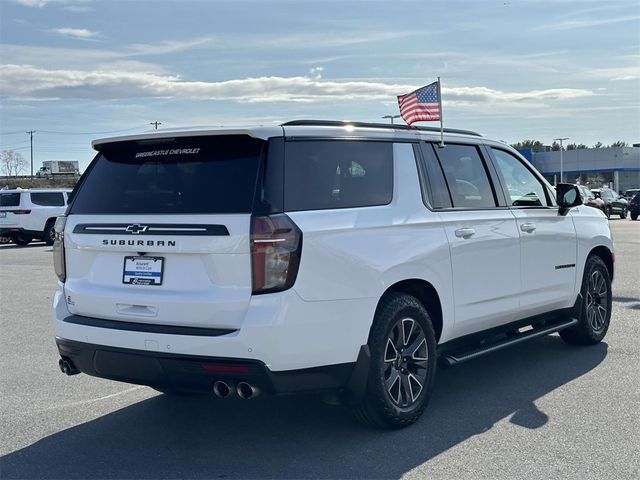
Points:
[(26, 215)]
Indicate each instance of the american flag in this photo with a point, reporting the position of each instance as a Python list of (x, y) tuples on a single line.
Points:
[(420, 105)]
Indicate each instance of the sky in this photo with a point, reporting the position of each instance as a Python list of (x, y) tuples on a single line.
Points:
[(75, 70)]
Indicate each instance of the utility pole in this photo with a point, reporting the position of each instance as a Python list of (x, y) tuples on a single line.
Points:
[(561, 159), (391, 117), (30, 133), (155, 124)]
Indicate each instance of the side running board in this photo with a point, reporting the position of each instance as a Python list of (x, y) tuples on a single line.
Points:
[(454, 358)]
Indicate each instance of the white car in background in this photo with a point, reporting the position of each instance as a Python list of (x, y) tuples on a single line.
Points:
[(30, 214)]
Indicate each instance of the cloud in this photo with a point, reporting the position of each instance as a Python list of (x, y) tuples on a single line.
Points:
[(32, 3), (77, 33), (75, 6), (587, 22), (631, 72), (316, 72), (30, 82), (78, 8)]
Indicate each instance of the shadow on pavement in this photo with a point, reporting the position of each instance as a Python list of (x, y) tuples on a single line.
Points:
[(13, 246), (204, 437)]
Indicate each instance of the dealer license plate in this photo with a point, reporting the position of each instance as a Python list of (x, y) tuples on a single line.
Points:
[(143, 270)]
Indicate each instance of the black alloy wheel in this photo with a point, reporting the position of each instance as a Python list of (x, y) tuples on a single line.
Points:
[(597, 301), (402, 369), (406, 358), (595, 308), (623, 213), (49, 233)]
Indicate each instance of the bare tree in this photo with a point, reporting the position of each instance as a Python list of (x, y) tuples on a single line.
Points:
[(12, 162)]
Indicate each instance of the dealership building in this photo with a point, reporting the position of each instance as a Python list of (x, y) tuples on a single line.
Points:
[(615, 167)]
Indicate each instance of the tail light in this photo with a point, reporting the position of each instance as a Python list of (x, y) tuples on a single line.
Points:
[(58, 248), (276, 246)]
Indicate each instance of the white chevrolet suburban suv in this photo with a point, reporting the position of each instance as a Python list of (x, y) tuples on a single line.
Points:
[(343, 258), (30, 214)]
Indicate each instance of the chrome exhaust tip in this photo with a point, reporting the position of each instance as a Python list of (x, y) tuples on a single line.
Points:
[(247, 391), (67, 367), (221, 389)]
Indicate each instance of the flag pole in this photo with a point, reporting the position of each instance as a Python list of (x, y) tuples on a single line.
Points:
[(441, 125)]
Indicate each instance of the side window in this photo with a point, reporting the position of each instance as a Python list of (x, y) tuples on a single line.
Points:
[(466, 176), (525, 190), (326, 174), (48, 199), (9, 199), (434, 186)]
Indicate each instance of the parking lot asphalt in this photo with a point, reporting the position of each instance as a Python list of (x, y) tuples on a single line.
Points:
[(541, 410)]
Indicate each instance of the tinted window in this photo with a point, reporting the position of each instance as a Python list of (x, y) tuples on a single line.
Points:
[(48, 199), (9, 199), (434, 184), (186, 175), (585, 192), (466, 176), (606, 194), (337, 174), (524, 188)]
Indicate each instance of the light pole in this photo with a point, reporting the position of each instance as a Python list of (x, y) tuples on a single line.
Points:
[(561, 159), (391, 117)]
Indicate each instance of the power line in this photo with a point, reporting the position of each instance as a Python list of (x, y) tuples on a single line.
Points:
[(53, 132), (18, 144), (12, 133)]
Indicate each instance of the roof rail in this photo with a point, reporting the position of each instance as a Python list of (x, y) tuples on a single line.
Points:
[(340, 123)]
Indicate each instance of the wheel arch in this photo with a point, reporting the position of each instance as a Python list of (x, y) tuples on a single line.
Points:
[(426, 293), (607, 257)]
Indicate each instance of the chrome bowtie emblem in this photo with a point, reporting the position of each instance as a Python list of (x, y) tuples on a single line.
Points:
[(135, 229)]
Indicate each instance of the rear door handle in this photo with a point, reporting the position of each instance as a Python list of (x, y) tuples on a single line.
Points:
[(528, 227), (465, 232)]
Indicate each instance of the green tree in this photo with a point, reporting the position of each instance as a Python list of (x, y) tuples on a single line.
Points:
[(576, 146), (598, 145), (555, 146), (619, 143), (535, 145)]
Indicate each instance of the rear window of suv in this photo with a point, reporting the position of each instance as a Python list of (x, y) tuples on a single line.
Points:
[(172, 176), (327, 174), (48, 199), (9, 199)]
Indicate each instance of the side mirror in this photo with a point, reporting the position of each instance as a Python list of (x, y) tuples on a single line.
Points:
[(567, 196)]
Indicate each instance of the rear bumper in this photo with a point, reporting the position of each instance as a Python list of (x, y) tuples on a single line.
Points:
[(11, 231), (196, 373), (279, 330)]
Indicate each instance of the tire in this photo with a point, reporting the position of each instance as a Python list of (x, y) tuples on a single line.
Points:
[(623, 213), (49, 233), (595, 307), (402, 371), (22, 241)]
